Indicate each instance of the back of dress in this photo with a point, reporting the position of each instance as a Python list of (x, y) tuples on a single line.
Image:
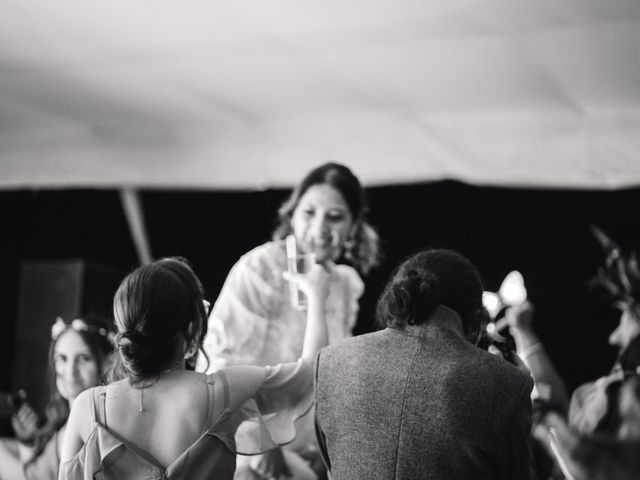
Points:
[(243, 395), (107, 455), (421, 403)]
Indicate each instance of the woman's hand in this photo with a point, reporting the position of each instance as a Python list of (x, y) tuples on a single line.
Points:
[(270, 465), (520, 317), (25, 424), (314, 283)]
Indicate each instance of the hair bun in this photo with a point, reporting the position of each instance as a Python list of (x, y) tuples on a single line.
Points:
[(139, 355), (428, 279), (427, 288), (133, 337), (414, 296)]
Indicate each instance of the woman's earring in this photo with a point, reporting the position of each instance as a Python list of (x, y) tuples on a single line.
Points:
[(191, 357), (190, 353), (349, 246)]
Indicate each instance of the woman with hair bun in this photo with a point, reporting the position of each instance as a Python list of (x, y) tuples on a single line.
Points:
[(419, 399), (165, 421)]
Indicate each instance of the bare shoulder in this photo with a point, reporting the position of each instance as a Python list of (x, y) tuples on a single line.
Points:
[(79, 425), (82, 406)]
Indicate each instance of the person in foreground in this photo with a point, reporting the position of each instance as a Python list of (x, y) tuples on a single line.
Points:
[(619, 278), (587, 456), (418, 400), (164, 421)]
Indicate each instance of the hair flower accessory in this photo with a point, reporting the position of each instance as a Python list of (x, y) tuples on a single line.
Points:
[(57, 328), (79, 325)]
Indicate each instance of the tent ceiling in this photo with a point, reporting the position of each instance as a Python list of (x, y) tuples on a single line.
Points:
[(249, 94)]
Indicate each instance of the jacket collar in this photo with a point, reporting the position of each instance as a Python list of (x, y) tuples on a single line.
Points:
[(442, 318)]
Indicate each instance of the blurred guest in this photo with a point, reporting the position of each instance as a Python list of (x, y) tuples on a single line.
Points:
[(77, 356), (254, 321), (589, 456), (419, 399), (164, 421), (606, 408), (585, 407), (629, 409)]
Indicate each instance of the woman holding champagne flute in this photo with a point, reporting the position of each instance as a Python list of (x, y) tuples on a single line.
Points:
[(256, 319)]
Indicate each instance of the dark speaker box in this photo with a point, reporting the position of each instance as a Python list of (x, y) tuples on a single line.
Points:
[(50, 289)]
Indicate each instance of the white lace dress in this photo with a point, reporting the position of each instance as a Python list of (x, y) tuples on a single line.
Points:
[(253, 322)]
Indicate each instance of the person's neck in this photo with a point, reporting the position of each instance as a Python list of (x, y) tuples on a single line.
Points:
[(175, 364)]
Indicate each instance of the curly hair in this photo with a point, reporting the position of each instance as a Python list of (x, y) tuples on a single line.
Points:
[(362, 251)]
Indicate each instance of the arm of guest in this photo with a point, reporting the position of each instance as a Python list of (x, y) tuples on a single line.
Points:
[(79, 426), (533, 354)]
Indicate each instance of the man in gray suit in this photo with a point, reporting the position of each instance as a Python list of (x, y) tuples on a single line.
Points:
[(418, 400)]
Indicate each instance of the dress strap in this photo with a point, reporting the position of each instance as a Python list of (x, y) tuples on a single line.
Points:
[(97, 400), (102, 406), (92, 405), (225, 388), (209, 382)]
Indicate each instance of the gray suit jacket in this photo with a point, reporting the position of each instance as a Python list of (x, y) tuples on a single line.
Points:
[(421, 403)]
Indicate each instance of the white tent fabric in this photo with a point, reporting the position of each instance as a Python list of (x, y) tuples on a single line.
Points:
[(251, 93)]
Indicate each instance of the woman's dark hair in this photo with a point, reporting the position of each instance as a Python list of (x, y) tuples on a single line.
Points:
[(428, 279), (155, 307), (362, 250), (98, 340)]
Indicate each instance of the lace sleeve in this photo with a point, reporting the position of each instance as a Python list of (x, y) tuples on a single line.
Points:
[(239, 319)]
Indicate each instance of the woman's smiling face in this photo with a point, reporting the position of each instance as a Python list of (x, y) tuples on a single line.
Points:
[(75, 366), (322, 222)]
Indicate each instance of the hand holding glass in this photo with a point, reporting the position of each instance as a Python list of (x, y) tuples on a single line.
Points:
[(297, 262)]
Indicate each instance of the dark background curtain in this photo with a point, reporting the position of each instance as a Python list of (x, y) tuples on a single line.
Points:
[(542, 233)]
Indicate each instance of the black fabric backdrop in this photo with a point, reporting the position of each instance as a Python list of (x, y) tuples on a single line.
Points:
[(543, 233)]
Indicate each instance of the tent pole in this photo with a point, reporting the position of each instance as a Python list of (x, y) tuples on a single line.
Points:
[(132, 207)]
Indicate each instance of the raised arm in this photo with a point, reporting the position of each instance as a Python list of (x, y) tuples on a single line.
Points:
[(533, 354), (35, 463), (245, 381), (315, 285)]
